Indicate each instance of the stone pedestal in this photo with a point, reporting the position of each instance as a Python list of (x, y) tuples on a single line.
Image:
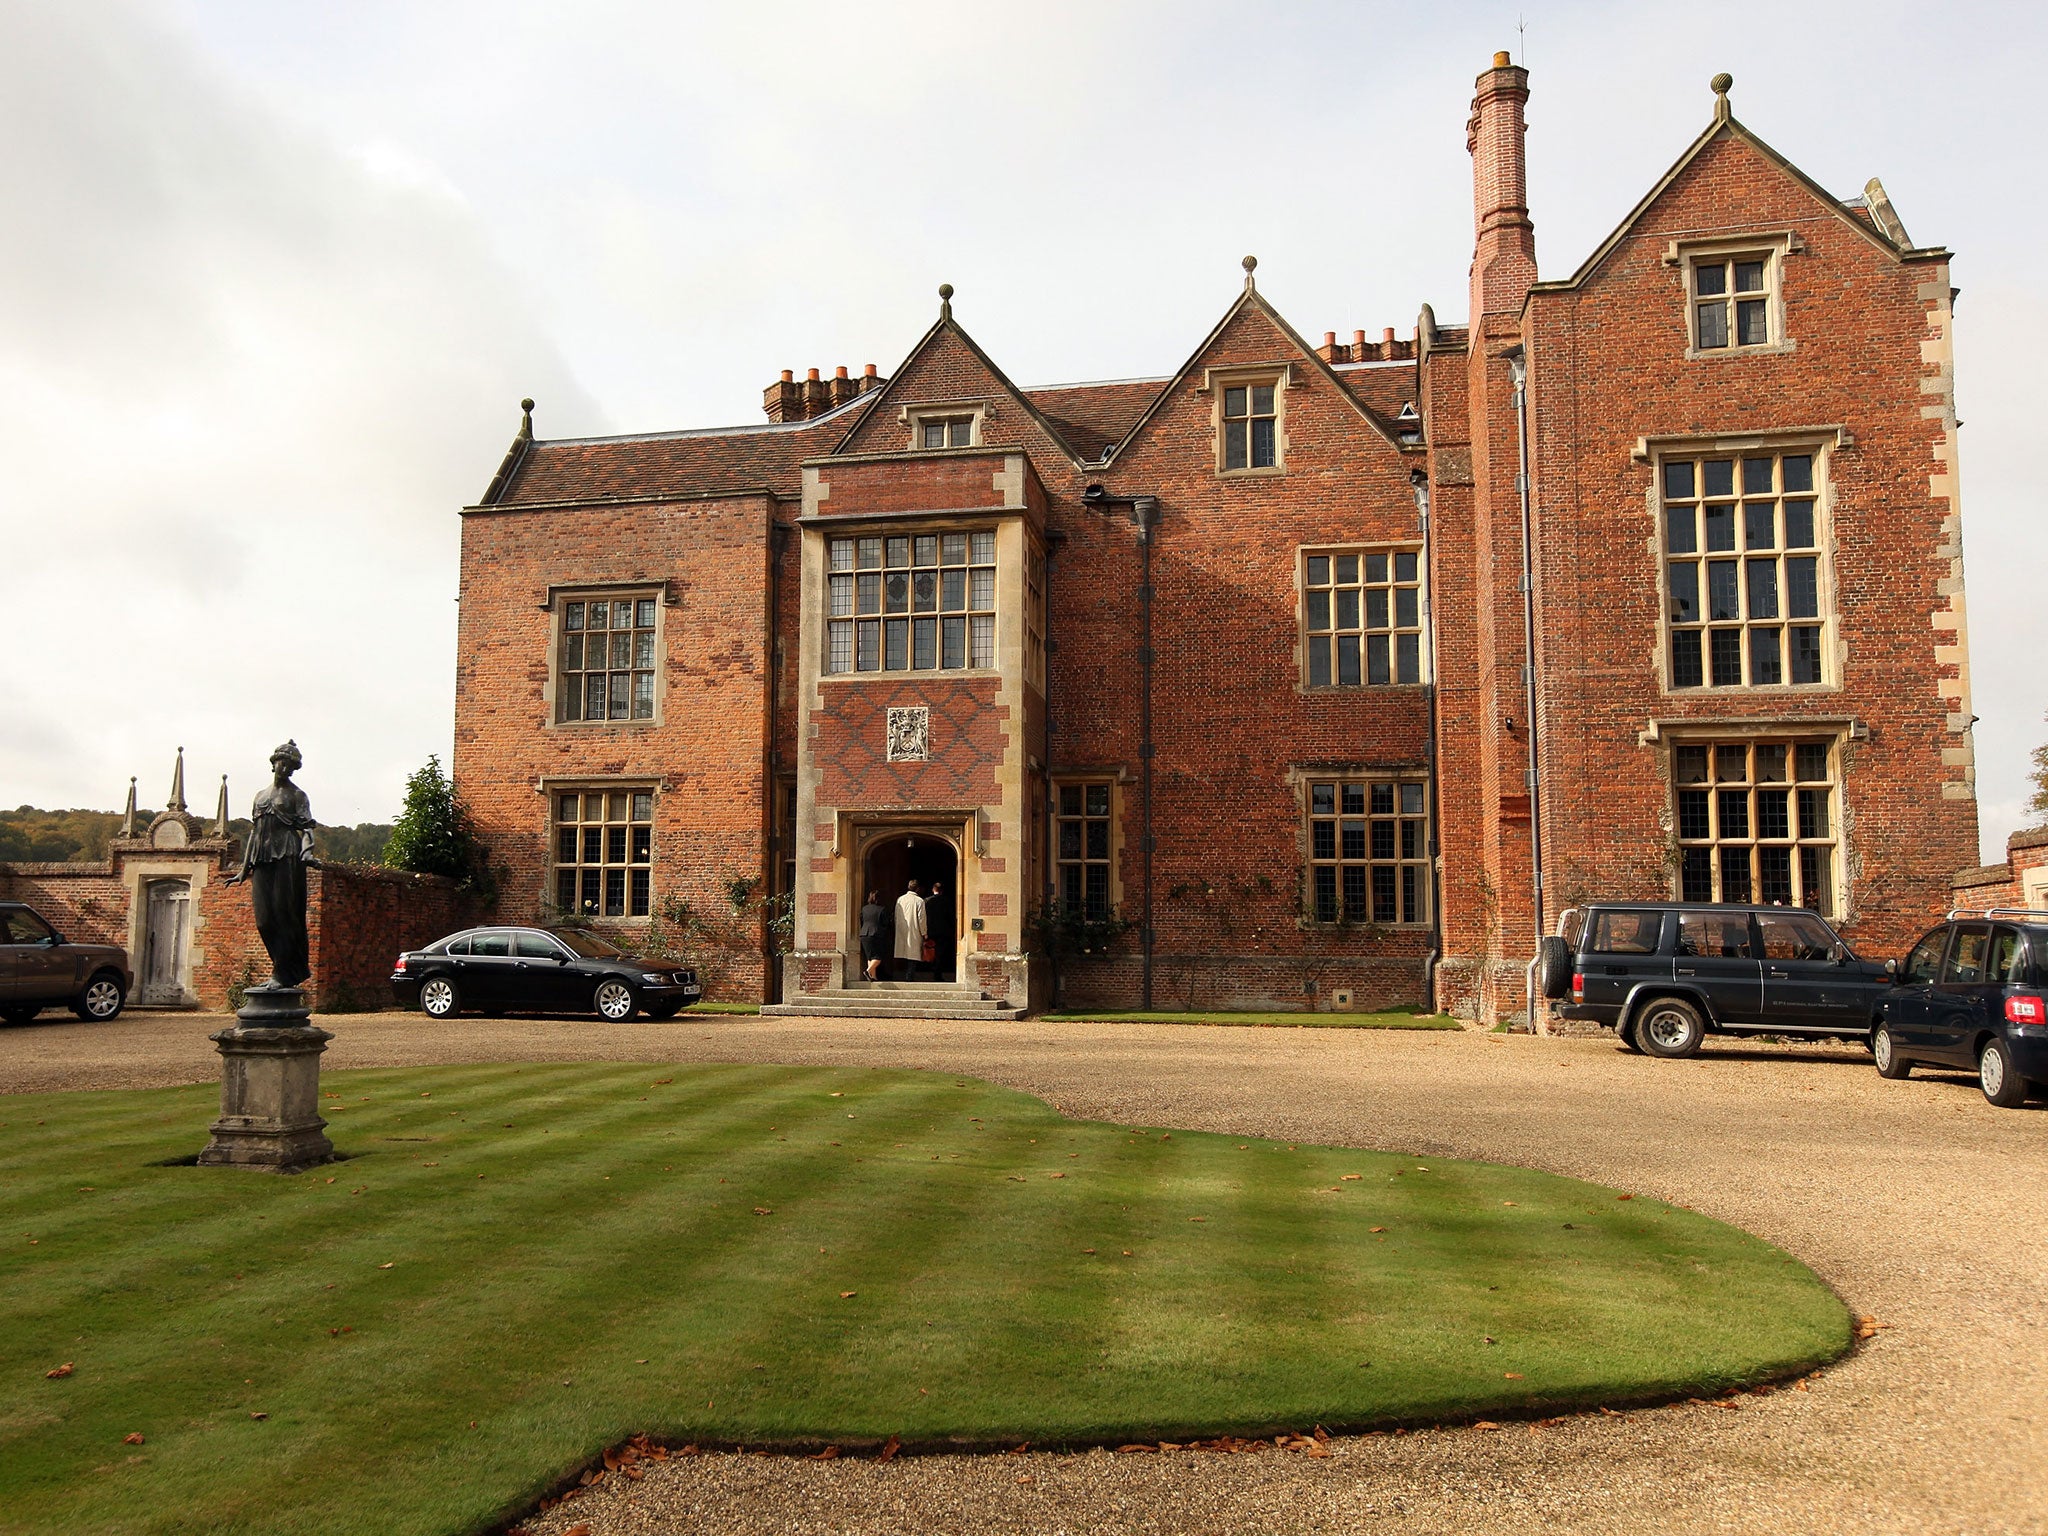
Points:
[(270, 1087)]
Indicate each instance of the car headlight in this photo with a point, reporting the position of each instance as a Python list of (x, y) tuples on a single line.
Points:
[(654, 976)]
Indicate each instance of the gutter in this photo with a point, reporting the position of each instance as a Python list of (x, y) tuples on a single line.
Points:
[(1419, 479), (1518, 362)]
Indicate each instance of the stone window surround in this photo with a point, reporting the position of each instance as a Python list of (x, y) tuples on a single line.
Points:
[(1301, 776), (552, 792), (1301, 659), (1083, 779), (1822, 442), (1216, 380), (1772, 247), (1749, 735), (559, 596), (915, 413)]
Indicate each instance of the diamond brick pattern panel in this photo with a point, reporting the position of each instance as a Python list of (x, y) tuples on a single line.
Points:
[(850, 741)]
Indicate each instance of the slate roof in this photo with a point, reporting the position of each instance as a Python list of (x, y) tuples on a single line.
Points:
[(660, 464)]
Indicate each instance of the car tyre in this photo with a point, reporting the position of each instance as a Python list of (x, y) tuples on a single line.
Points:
[(1670, 1027), (102, 999), (1996, 1075), (1884, 1050), (439, 998), (615, 1000), (21, 1013), (1626, 1034), (1553, 966)]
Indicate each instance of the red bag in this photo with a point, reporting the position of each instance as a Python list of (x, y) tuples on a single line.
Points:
[(931, 950)]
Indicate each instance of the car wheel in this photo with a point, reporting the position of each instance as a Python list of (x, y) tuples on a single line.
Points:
[(1884, 1050), (101, 1000), (616, 1001), (2001, 1084), (20, 1013), (1626, 1034), (1671, 1027), (439, 999)]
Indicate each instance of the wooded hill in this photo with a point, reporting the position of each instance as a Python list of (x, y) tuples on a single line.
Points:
[(29, 835)]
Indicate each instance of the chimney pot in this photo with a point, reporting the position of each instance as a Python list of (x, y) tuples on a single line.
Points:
[(788, 376), (812, 375), (1387, 337), (1500, 61), (839, 372), (871, 370)]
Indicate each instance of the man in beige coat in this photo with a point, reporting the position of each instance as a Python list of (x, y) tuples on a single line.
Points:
[(910, 932)]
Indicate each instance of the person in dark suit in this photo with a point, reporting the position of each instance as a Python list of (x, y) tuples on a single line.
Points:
[(939, 922), (874, 943)]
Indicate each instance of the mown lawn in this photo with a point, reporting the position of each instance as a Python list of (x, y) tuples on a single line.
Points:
[(522, 1264), (1298, 1019)]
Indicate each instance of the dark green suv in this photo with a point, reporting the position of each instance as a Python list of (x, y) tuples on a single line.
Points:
[(1973, 995), (1665, 975)]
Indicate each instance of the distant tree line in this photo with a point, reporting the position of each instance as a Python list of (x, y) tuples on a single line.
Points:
[(32, 836)]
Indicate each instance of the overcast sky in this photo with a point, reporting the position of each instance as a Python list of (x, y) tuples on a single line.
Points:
[(276, 275)]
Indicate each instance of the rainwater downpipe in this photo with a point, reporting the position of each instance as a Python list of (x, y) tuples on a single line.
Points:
[(1419, 479), (1518, 364), (1144, 513)]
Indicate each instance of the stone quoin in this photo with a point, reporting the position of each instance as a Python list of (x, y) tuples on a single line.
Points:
[(1334, 669)]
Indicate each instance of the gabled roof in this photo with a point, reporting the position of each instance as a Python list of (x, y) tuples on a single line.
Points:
[(1251, 298), (947, 326), (1725, 123), (1092, 418)]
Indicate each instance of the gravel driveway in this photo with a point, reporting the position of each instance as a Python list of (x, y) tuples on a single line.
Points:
[(1920, 1203)]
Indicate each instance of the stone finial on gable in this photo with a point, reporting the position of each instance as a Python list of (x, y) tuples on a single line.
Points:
[(177, 799), (128, 815), (1722, 84), (945, 301), (1250, 265), (220, 815)]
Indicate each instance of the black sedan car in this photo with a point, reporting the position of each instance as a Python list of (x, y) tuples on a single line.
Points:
[(538, 970)]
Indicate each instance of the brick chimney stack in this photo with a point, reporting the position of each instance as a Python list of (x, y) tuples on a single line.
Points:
[(791, 399), (1504, 240)]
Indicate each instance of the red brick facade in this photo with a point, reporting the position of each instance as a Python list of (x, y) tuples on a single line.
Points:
[(1560, 405)]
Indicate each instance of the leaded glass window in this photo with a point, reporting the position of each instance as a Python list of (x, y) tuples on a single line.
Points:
[(608, 659), (604, 852), (1368, 851), (1731, 302), (911, 602), (1251, 426), (1742, 571), (1362, 613), (1082, 851), (1757, 822)]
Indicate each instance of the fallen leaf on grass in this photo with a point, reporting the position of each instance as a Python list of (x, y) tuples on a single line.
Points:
[(1512, 1375), (762, 1210), (848, 1295), (1379, 1229), (257, 1414), (1624, 1197), (1137, 1450), (383, 1266), (131, 1439), (1198, 1218), (1087, 1250), (663, 1082), (1486, 1424), (1055, 1175), (63, 1370), (889, 1449), (830, 1451), (1353, 1176)]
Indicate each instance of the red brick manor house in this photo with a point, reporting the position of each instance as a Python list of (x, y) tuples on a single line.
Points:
[(1335, 669)]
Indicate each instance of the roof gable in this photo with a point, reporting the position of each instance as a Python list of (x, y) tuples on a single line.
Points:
[(1251, 304), (1726, 128), (946, 364)]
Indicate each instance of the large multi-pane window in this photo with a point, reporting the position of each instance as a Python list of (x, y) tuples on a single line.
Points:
[(911, 602), (1743, 571), (604, 852), (1082, 848), (1368, 851), (1251, 426), (1731, 302), (1363, 616), (606, 667), (1757, 822)]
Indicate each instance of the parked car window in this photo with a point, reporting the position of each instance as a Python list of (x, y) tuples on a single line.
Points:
[(497, 943), (535, 946), (457, 946), (25, 928), (1723, 934), (2008, 957), (1795, 936), (1965, 966), (588, 945), (1626, 933), (1924, 963)]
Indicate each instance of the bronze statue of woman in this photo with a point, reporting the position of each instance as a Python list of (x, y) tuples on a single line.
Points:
[(274, 862)]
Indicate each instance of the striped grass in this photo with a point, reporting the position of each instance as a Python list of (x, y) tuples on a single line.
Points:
[(519, 1265)]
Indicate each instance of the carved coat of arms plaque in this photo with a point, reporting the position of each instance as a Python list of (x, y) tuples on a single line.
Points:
[(910, 734)]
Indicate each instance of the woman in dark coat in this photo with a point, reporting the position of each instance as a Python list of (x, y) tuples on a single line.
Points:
[(874, 943), (274, 862)]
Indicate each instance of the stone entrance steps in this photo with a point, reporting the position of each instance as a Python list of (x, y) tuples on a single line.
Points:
[(896, 1000)]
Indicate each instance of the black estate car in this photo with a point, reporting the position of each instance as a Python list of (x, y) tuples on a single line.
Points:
[(539, 970), (39, 967), (1973, 994), (1663, 976)]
